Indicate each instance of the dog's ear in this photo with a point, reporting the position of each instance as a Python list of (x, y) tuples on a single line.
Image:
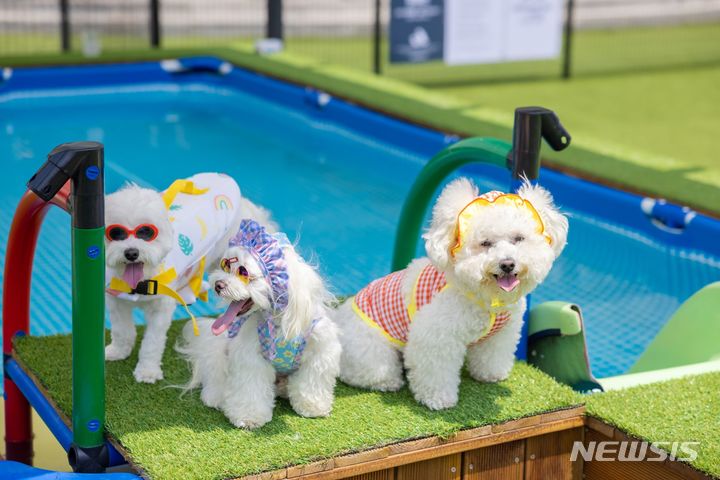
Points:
[(556, 224), (306, 292), (440, 237)]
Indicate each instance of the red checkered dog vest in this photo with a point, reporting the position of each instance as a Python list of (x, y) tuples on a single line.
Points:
[(381, 304)]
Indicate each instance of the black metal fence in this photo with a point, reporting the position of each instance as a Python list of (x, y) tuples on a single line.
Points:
[(602, 36)]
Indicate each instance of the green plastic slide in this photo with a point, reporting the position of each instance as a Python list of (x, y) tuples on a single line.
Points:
[(692, 335)]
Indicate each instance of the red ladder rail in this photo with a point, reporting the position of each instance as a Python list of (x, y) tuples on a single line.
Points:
[(19, 256)]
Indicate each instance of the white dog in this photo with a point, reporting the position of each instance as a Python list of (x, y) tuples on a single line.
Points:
[(157, 245), (275, 339), (466, 299)]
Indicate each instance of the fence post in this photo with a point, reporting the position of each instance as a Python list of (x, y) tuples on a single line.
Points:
[(377, 40), (155, 23), (567, 49), (65, 25), (274, 19)]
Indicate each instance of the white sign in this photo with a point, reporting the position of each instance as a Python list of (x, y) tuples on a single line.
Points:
[(490, 31), (473, 33), (533, 29)]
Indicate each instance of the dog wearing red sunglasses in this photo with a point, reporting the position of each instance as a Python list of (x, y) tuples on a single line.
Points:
[(159, 242)]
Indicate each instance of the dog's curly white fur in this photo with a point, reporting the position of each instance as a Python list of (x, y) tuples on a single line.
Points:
[(234, 375), (131, 206), (442, 333)]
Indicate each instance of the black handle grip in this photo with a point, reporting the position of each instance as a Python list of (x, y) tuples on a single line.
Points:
[(81, 162), (553, 131), (532, 124)]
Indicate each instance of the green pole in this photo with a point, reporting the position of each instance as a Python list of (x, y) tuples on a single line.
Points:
[(88, 336), (472, 150), (81, 163)]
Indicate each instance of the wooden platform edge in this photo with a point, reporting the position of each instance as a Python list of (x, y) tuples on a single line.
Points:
[(403, 453), (614, 433)]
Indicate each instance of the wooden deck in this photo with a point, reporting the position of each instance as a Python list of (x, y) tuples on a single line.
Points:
[(535, 447)]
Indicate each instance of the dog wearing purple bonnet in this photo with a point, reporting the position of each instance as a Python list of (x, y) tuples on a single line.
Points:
[(274, 339)]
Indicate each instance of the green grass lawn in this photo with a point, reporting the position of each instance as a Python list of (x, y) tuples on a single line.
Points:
[(682, 410), (643, 107), (594, 52), (174, 437), (665, 120), (649, 96)]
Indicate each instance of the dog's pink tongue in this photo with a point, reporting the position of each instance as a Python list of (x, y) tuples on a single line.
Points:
[(508, 282), (223, 321), (133, 273)]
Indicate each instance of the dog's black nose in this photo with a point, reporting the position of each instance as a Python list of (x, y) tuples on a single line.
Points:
[(220, 286), (132, 254), (507, 266)]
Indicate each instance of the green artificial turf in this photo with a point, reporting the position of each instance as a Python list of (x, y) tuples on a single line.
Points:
[(604, 52), (594, 52), (635, 121), (666, 122), (683, 410), (170, 437)]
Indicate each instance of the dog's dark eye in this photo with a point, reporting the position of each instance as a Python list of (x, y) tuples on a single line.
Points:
[(518, 238), (242, 272), (486, 244), (115, 233), (225, 265), (146, 232)]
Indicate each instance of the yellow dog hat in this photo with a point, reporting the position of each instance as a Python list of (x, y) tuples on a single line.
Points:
[(492, 199)]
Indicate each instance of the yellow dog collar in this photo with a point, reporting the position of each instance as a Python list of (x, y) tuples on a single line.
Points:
[(492, 199)]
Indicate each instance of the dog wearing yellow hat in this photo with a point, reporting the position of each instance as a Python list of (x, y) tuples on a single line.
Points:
[(465, 300)]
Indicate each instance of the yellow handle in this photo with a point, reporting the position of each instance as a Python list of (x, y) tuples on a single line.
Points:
[(181, 186)]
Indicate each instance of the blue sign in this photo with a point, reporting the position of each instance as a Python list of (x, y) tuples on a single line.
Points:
[(416, 30)]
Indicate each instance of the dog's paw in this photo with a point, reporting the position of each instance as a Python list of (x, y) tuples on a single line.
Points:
[(491, 376), (308, 409), (147, 373), (212, 397), (389, 385), (438, 401), (247, 421), (114, 352)]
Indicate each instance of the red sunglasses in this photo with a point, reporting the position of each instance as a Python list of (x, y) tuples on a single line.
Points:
[(145, 231)]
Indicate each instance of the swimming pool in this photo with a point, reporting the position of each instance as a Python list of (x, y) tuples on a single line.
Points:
[(334, 176)]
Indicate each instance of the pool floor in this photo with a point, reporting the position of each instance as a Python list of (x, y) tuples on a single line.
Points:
[(335, 190)]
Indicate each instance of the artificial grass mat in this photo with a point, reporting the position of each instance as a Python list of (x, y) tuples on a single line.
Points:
[(172, 437), (683, 410)]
